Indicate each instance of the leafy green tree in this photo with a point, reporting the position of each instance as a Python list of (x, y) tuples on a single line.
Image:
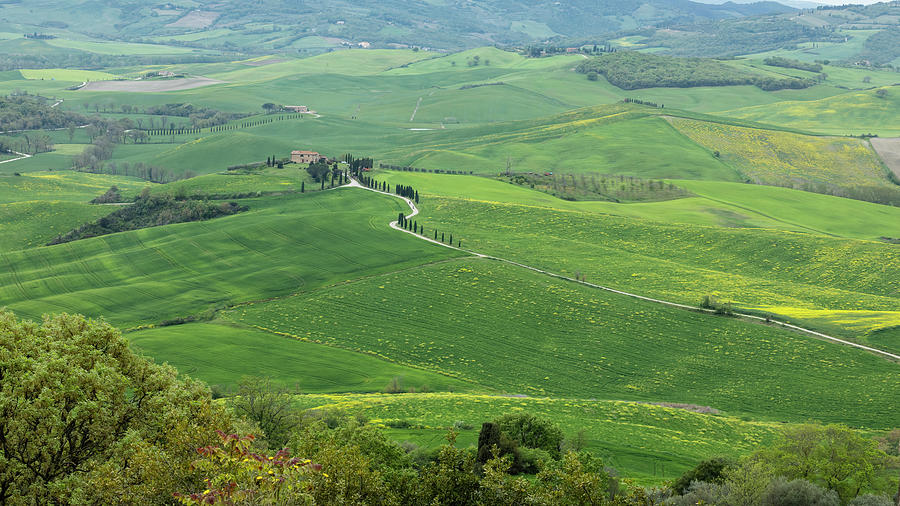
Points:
[(85, 420), (451, 479), (834, 456), (710, 470), (781, 492), (576, 479), (268, 405)]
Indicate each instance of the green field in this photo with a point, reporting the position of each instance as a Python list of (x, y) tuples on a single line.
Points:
[(852, 113), (786, 273), (282, 245), (788, 159), (66, 75), (724, 204), (220, 354), (641, 441), (465, 319)]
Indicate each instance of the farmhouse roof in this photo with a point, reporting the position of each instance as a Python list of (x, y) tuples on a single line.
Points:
[(304, 152)]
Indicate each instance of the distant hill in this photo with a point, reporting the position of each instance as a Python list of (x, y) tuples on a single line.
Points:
[(306, 25)]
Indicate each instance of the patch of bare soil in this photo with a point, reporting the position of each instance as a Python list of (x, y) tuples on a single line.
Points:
[(195, 19), (260, 63), (141, 86), (889, 151)]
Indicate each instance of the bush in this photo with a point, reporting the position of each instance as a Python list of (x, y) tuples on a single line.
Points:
[(529, 431), (530, 460), (871, 500), (709, 471), (798, 493), (701, 492)]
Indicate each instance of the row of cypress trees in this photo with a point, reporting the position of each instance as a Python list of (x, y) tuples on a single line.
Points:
[(414, 227)]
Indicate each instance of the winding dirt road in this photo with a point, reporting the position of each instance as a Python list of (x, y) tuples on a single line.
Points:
[(415, 211)]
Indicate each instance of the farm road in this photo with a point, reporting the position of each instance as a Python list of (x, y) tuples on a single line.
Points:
[(22, 156), (415, 211)]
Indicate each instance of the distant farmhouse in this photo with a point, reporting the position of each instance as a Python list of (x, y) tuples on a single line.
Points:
[(305, 156), (297, 108)]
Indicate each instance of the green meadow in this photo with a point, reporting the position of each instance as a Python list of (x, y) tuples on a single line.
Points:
[(716, 203), (465, 319), (282, 245), (221, 354), (642, 441), (851, 113), (785, 273)]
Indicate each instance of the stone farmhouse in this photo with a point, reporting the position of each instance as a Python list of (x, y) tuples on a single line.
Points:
[(305, 156)]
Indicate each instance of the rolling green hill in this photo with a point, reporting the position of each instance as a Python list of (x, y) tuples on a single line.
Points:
[(466, 318), (788, 274), (280, 246)]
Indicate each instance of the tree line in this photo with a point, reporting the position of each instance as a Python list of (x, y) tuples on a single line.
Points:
[(779, 61), (406, 168)]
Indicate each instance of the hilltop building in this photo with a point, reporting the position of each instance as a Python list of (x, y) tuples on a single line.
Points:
[(297, 108), (305, 156)]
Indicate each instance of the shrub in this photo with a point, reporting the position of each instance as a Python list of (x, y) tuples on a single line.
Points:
[(701, 492), (708, 471), (529, 431), (798, 493), (871, 500)]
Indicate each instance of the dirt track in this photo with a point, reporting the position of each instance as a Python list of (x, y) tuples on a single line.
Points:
[(150, 86), (889, 151)]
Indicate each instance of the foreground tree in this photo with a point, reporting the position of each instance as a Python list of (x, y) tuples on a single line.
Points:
[(833, 456), (85, 420)]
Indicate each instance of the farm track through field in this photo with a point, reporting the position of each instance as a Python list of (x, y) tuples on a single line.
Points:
[(754, 318), (22, 156)]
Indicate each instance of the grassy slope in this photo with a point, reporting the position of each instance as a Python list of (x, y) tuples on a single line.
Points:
[(280, 246), (641, 441), (718, 203), (467, 318), (37, 206), (786, 159), (851, 113), (220, 354), (787, 273)]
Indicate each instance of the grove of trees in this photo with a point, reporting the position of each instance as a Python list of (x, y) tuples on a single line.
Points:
[(631, 70)]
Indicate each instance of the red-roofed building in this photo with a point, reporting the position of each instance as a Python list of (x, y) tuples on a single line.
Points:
[(305, 156)]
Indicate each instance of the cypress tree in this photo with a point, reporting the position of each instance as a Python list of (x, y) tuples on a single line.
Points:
[(442, 237), (400, 219), (323, 184), (451, 239), (415, 226), (417, 196), (302, 186), (435, 234)]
